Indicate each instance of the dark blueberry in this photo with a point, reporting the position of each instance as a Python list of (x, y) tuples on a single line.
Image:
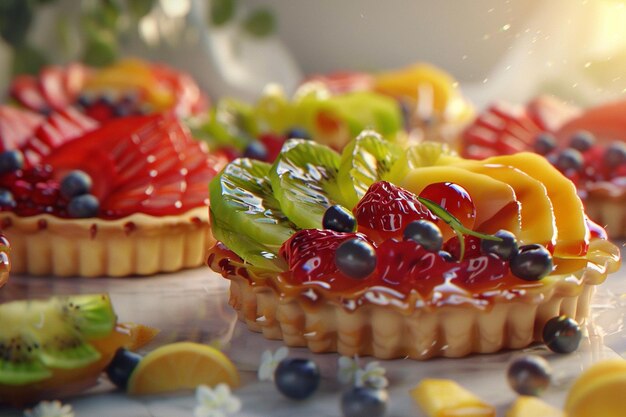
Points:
[(11, 161), (339, 219), (425, 233), (84, 100), (582, 141), (446, 256), (297, 133), (529, 375), (123, 110), (75, 183), (107, 98), (615, 154), (570, 159), (364, 402), (83, 206), (531, 263), (297, 378), (504, 249), (562, 334), (122, 366), (544, 143), (355, 258), (255, 150), (6, 198)]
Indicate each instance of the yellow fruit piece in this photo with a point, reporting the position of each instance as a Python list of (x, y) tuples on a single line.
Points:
[(572, 232), (446, 398), (525, 406), (181, 366), (599, 391)]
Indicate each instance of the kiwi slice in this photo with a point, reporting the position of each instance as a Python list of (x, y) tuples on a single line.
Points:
[(243, 202), (364, 161), (304, 180), (424, 154), (37, 336)]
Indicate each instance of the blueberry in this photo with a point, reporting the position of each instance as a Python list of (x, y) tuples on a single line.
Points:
[(85, 100), (355, 258), (255, 150), (364, 402), (75, 183), (6, 198), (82, 206), (562, 334), (297, 378), (582, 140), (504, 249), (11, 161), (570, 159), (122, 366), (529, 375), (297, 133), (615, 154), (544, 143), (339, 219), (425, 233), (531, 263)]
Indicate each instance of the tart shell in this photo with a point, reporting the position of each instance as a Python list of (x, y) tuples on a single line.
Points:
[(604, 203), (134, 245)]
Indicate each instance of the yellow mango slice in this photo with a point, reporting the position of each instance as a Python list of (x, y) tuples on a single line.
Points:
[(572, 231), (525, 406), (446, 398), (599, 391)]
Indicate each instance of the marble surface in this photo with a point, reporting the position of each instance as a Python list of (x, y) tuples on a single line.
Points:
[(192, 305)]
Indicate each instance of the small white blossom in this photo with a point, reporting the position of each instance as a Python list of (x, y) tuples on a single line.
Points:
[(373, 375), (215, 402), (50, 409), (347, 369), (269, 363)]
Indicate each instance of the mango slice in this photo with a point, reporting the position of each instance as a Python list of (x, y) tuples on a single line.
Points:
[(525, 406), (446, 398)]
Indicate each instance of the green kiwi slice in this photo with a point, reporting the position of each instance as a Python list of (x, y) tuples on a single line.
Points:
[(364, 161), (242, 199), (39, 335), (304, 180)]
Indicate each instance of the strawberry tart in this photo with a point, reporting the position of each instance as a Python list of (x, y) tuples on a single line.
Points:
[(403, 252)]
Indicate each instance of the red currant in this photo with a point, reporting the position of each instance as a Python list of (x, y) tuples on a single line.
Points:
[(454, 199)]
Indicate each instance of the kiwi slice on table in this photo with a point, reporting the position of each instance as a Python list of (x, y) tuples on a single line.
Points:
[(304, 181), (37, 336), (365, 160), (424, 154), (242, 202)]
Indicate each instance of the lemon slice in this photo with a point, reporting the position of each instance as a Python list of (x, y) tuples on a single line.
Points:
[(181, 366), (446, 398), (525, 406), (599, 391)]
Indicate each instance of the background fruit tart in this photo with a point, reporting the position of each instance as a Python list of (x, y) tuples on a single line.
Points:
[(403, 252), (5, 260)]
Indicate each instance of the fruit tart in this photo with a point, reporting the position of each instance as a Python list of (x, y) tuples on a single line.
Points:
[(403, 252), (5, 261), (124, 198), (587, 146)]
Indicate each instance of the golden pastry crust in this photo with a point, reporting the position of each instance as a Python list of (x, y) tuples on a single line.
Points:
[(388, 329), (5, 261), (134, 245), (604, 203)]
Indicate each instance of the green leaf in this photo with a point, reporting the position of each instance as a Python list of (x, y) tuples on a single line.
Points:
[(260, 23), (221, 11), (28, 60), (15, 19), (100, 52), (139, 8)]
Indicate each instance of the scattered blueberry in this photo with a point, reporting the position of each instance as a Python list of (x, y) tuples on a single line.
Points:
[(122, 366), (339, 219), (562, 334), (529, 375), (83, 206), (75, 183), (582, 141), (6, 198), (11, 161), (544, 143), (255, 150), (364, 402), (531, 263), (355, 258), (297, 133), (504, 249), (425, 233), (569, 159), (615, 154), (297, 378)]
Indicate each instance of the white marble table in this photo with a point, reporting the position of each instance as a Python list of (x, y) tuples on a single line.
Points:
[(192, 305)]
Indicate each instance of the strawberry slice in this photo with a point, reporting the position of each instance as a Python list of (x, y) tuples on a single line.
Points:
[(52, 87), (189, 98), (74, 79), (25, 89), (550, 113), (342, 82), (16, 126)]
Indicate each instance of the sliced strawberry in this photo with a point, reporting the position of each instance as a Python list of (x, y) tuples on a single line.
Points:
[(16, 126), (189, 97), (74, 79), (386, 209), (342, 82), (25, 89), (551, 113), (52, 87)]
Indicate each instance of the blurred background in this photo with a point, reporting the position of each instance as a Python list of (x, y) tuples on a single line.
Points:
[(510, 49)]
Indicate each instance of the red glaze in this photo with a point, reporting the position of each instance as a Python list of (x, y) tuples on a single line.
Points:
[(472, 247)]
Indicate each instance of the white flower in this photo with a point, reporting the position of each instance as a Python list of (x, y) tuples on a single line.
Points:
[(50, 409), (215, 402), (269, 362), (373, 375)]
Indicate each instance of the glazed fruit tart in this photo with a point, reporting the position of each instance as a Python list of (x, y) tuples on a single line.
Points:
[(588, 147), (403, 252), (124, 198)]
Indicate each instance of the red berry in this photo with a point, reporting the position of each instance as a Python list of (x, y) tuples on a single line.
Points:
[(273, 144), (454, 199), (386, 209), (46, 193), (21, 189), (472, 247)]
